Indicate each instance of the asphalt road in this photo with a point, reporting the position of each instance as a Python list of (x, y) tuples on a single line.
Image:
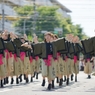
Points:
[(84, 86)]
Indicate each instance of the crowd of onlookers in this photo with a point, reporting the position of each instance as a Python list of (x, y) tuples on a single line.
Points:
[(82, 64)]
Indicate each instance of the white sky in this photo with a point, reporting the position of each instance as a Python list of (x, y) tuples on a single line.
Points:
[(83, 13)]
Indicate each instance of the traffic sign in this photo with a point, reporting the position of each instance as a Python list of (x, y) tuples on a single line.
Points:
[(43, 32), (55, 32)]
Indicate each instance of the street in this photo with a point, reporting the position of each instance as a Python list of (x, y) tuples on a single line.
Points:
[(84, 86)]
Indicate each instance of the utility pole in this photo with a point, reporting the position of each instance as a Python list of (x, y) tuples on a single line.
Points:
[(24, 26), (3, 20), (34, 21)]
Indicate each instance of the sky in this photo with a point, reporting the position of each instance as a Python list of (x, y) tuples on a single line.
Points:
[(83, 13)]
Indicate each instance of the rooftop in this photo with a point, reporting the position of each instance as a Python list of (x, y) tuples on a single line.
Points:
[(61, 5)]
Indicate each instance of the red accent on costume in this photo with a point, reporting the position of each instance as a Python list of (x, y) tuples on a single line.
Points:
[(31, 59), (10, 54), (88, 59), (15, 57), (22, 55), (7, 54), (48, 61), (36, 58), (75, 59), (1, 59), (58, 55)]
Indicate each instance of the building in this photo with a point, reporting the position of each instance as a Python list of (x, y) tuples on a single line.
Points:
[(9, 11), (8, 6), (62, 9)]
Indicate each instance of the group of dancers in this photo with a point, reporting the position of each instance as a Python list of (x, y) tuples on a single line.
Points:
[(59, 58)]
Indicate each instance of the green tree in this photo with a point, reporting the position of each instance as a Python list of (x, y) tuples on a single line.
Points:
[(24, 11), (48, 18), (69, 27)]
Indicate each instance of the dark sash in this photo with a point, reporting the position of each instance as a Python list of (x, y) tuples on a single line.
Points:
[(37, 49), (71, 49), (93, 45), (9, 46), (67, 48), (87, 46), (17, 42), (60, 44), (2, 46)]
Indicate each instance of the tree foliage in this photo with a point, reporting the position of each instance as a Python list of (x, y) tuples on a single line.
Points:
[(47, 19)]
